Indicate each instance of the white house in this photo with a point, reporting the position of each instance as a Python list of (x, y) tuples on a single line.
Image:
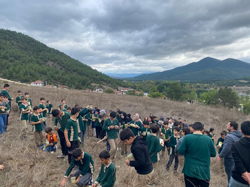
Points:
[(37, 83), (98, 90)]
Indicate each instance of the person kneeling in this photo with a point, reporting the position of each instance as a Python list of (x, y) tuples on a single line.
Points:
[(83, 175), (51, 141)]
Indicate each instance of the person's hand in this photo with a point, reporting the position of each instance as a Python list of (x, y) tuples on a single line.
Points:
[(246, 177), (8, 112), (63, 182), (12, 99), (87, 106), (111, 127), (56, 128), (121, 126), (94, 185), (136, 126), (77, 180), (165, 140), (1, 167), (218, 159), (68, 143), (116, 127), (176, 154), (143, 134), (127, 162), (161, 134)]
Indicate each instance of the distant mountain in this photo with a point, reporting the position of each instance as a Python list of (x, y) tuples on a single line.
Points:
[(25, 59), (122, 76), (205, 69)]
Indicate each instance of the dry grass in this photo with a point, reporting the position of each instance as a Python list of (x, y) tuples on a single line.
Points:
[(26, 166)]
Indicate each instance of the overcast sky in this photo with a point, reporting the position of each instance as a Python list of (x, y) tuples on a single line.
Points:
[(136, 36)]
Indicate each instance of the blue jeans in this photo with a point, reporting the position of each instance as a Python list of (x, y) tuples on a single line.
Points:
[(82, 136), (48, 148), (234, 183), (84, 180), (229, 166), (2, 124)]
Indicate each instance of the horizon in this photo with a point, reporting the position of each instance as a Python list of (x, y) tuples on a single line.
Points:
[(135, 38)]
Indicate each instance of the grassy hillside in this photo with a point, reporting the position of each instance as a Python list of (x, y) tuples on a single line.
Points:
[(27, 166), (25, 59), (206, 69)]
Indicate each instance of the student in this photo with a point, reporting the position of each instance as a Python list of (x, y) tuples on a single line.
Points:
[(71, 133), (63, 105), (93, 129), (197, 150), (172, 143), (61, 117), (166, 134), (44, 110), (111, 125), (107, 175), (104, 117), (85, 165), (154, 145), (207, 133), (184, 132), (241, 154), (6, 93), (145, 130), (88, 119), (68, 110), (135, 125), (27, 96), (211, 133), (233, 136), (185, 123), (51, 141), (219, 145), (98, 123), (49, 107), (142, 162), (37, 121), (82, 123), (123, 118), (19, 97), (191, 128), (3, 118), (7, 110), (25, 110)]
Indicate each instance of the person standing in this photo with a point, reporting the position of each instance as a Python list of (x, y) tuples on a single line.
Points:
[(233, 136), (197, 149), (241, 155)]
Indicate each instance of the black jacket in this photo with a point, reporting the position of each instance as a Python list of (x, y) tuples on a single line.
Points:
[(241, 154), (142, 163)]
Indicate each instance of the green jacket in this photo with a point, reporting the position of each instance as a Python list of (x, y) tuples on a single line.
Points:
[(136, 130), (43, 107), (24, 116), (167, 133), (62, 121), (39, 126), (107, 176), (82, 123), (220, 141), (6, 93), (154, 147), (84, 165), (72, 128), (111, 133), (173, 142), (197, 149), (145, 131), (19, 99)]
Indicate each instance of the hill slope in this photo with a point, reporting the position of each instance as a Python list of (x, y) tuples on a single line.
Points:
[(206, 69), (25, 59)]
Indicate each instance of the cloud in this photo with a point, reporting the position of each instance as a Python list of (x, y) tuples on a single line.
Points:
[(135, 36)]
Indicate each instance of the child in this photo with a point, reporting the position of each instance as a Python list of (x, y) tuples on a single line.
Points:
[(107, 175), (49, 107), (173, 142), (27, 96), (142, 162), (83, 175), (61, 118), (212, 133), (135, 125), (3, 117), (87, 119), (71, 133), (154, 145), (207, 133), (19, 98), (98, 123), (51, 141), (36, 120), (63, 105), (219, 146), (44, 112), (104, 117), (93, 123), (145, 129), (111, 125), (25, 110), (123, 121), (7, 110), (166, 134), (67, 110)]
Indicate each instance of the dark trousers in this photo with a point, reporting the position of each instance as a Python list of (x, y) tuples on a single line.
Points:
[(84, 180), (98, 131), (171, 159), (62, 142), (166, 145), (229, 166), (74, 145), (193, 182)]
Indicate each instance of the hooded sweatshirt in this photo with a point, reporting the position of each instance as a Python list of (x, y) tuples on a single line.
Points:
[(241, 154), (142, 163), (230, 139)]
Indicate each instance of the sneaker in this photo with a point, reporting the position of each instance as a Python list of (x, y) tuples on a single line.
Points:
[(61, 156), (122, 153), (25, 137), (175, 172), (167, 168)]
